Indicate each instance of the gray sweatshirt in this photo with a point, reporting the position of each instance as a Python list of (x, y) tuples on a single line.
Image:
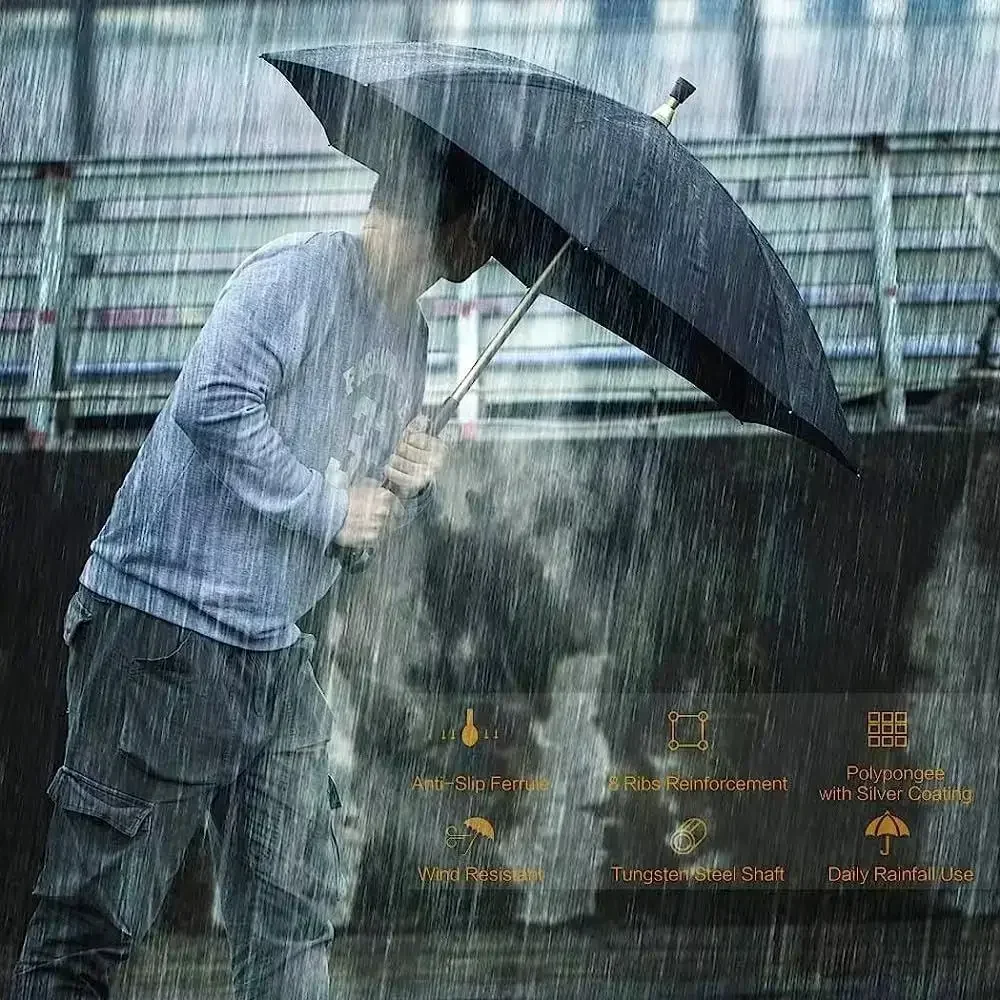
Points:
[(299, 384)]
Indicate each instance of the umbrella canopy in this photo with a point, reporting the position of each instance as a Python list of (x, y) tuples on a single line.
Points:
[(663, 257)]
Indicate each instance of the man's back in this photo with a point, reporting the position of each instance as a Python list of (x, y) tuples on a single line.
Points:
[(299, 383)]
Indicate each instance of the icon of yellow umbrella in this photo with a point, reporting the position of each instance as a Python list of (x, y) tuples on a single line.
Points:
[(887, 826), (479, 826)]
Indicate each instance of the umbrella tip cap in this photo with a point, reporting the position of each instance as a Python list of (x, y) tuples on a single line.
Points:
[(683, 89)]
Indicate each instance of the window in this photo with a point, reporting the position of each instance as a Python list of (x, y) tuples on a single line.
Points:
[(843, 11), (716, 11), (921, 11), (623, 13)]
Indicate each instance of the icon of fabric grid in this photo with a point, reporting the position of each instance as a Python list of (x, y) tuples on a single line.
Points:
[(887, 730)]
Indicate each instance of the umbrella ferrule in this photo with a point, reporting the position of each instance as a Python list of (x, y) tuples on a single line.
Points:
[(682, 90), (664, 114)]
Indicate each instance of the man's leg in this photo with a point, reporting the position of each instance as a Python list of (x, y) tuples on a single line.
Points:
[(275, 849), (109, 862), (127, 798)]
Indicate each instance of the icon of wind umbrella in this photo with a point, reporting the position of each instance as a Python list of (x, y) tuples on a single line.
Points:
[(599, 206), (479, 826)]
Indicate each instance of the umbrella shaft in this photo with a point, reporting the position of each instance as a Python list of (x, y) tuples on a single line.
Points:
[(665, 115), (512, 320)]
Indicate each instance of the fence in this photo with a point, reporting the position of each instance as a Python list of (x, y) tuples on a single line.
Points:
[(108, 269)]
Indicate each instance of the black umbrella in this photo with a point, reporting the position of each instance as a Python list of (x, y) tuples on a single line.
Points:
[(650, 245)]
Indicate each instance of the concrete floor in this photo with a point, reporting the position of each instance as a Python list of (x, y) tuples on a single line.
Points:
[(940, 959)]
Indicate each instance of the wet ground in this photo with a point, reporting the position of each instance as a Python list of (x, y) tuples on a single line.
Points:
[(890, 961)]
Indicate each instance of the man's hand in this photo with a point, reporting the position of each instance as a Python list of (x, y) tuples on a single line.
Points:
[(370, 508), (417, 460)]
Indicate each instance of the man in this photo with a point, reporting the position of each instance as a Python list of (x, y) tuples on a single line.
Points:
[(190, 687)]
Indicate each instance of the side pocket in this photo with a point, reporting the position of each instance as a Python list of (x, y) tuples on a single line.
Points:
[(335, 804), (307, 720), (96, 848), (77, 615), (175, 724)]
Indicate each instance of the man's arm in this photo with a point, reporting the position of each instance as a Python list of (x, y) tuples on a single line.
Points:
[(253, 343)]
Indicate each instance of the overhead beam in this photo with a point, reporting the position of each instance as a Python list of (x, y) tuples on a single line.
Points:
[(82, 89)]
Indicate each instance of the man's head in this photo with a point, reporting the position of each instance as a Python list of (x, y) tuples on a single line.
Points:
[(448, 204)]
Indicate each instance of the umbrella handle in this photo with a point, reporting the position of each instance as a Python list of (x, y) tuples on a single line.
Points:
[(441, 416)]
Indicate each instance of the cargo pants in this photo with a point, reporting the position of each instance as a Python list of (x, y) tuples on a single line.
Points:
[(168, 730)]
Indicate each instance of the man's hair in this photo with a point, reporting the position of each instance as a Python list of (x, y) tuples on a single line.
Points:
[(430, 191)]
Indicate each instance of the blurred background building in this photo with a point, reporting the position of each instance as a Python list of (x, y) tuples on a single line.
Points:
[(113, 78), (109, 267)]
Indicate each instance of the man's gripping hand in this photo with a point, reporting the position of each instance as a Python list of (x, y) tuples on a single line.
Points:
[(418, 458), (370, 510)]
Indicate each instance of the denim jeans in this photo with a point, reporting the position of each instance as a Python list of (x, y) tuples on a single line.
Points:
[(169, 730)]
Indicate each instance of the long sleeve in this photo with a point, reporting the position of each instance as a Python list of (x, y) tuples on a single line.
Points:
[(254, 342), (417, 505)]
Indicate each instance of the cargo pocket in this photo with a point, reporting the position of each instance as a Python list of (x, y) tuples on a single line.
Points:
[(173, 723), (97, 848), (287, 836)]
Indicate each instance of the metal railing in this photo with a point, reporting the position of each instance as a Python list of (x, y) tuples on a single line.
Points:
[(108, 269)]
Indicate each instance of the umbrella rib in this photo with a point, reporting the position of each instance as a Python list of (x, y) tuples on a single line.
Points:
[(758, 239), (536, 81)]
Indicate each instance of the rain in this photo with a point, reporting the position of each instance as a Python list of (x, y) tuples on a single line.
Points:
[(499, 499)]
